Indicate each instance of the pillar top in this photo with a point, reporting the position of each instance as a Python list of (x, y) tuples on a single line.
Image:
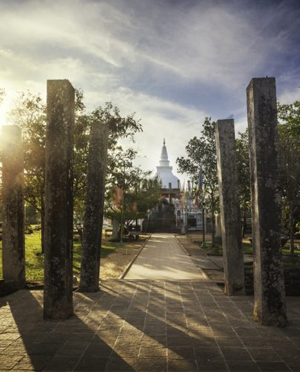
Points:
[(54, 82), (225, 121), (262, 80)]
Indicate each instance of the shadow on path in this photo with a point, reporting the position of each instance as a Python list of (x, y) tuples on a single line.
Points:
[(157, 326), (71, 345)]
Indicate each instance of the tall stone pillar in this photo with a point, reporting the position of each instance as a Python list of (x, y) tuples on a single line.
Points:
[(230, 208), (58, 299), (13, 244), (269, 293), (94, 202)]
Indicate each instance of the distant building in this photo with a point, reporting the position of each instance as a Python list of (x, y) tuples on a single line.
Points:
[(177, 210), (170, 184), (187, 214), (164, 171), (163, 218)]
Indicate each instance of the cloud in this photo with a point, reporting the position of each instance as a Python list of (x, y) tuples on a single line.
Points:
[(160, 119), (174, 62)]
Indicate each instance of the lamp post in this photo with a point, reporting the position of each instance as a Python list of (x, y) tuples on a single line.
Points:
[(203, 245), (122, 220), (200, 184)]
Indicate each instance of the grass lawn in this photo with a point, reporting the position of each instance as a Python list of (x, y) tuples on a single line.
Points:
[(289, 260), (35, 260)]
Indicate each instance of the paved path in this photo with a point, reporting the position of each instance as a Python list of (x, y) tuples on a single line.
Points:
[(163, 258), (143, 325), (148, 326)]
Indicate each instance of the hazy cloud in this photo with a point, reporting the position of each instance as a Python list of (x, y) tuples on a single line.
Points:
[(173, 62)]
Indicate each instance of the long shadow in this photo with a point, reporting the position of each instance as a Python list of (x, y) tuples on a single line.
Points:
[(127, 326), (155, 326), (71, 345)]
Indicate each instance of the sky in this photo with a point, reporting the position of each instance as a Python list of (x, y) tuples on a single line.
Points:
[(172, 62)]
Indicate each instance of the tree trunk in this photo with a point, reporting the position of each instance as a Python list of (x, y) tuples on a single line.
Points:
[(213, 222), (292, 230), (42, 223), (116, 225), (244, 226), (213, 228)]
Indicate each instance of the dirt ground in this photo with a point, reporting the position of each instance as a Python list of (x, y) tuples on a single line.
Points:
[(113, 265)]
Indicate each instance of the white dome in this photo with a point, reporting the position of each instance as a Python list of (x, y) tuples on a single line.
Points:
[(164, 171)]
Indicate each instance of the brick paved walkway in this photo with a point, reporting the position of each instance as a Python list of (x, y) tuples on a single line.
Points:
[(147, 326), (164, 258)]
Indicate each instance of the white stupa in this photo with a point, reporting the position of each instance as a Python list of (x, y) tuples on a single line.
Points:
[(164, 170)]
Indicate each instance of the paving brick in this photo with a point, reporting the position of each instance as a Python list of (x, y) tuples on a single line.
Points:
[(149, 342), (273, 366), (178, 365), (92, 364)]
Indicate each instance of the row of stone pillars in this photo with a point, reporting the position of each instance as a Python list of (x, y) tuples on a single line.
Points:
[(269, 307), (58, 276), (269, 293)]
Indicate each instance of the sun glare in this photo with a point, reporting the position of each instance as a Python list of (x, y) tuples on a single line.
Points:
[(5, 107)]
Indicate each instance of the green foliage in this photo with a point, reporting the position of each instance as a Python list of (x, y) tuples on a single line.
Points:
[(243, 168), (119, 127), (30, 114), (201, 153), (140, 191), (289, 165)]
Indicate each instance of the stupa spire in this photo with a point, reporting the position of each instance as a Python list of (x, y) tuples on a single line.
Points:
[(164, 159), (164, 170)]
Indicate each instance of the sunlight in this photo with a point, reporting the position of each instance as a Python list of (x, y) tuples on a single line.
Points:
[(5, 106)]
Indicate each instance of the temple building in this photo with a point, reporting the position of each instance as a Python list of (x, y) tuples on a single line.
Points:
[(163, 217), (164, 171), (177, 211)]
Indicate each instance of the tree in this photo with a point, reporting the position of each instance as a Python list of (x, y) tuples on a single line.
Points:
[(243, 167), (201, 152), (30, 114), (289, 164), (131, 192), (119, 127)]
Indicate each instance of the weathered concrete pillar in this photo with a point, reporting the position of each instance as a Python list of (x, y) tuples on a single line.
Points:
[(58, 301), (13, 245), (230, 208), (94, 202), (269, 293)]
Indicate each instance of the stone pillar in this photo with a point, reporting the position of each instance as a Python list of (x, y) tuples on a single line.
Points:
[(269, 293), (13, 244), (58, 299), (94, 202), (230, 208)]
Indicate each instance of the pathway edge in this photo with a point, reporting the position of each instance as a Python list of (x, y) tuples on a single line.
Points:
[(185, 250), (182, 246), (127, 268)]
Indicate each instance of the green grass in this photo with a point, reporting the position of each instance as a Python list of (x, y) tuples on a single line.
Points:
[(35, 260), (247, 249)]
